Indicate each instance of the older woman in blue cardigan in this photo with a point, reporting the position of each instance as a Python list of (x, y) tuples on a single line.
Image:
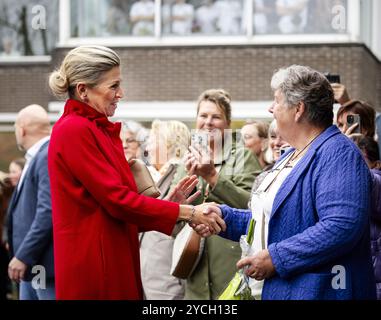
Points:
[(311, 212)]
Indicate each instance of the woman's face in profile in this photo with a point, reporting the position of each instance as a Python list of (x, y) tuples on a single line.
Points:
[(107, 93), (211, 119), (14, 173), (283, 115)]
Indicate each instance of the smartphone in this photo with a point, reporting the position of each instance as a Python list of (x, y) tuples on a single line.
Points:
[(283, 150), (332, 78), (199, 141), (351, 120)]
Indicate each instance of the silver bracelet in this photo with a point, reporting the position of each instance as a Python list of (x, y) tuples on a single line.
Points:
[(192, 215)]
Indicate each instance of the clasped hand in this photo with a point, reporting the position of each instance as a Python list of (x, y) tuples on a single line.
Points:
[(16, 269), (258, 266), (208, 219), (211, 221), (209, 210)]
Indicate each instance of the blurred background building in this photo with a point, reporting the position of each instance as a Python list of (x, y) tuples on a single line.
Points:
[(172, 50)]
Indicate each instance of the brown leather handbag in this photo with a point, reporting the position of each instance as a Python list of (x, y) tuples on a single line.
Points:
[(187, 251), (143, 179), (188, 248)]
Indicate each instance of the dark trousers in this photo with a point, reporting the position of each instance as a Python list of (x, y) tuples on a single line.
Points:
[(4, 280)]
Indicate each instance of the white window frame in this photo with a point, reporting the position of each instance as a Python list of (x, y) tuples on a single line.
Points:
[(180, 110), (32, 60), (65, 40), (376, 27), (146, 111), (352, 36)]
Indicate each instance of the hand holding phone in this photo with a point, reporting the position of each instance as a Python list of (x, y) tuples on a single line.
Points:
[(332, 78), (353, 123), (199, 141)]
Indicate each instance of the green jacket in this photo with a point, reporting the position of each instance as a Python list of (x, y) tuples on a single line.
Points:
[(217, 265)]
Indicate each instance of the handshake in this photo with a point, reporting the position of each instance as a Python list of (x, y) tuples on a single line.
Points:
[(209, 220), (205, 219)]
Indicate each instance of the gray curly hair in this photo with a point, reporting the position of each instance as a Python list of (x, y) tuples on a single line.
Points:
[(304, 84)]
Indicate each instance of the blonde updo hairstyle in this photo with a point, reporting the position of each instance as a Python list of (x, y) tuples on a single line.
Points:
[(175, 135), (220, 98), (84, 64)]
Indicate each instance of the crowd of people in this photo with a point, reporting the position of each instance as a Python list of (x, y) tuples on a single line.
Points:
[(181, 18), (227, 17), (309, 180)]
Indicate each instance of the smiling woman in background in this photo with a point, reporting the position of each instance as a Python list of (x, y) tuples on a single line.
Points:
[(255, 138), (226, 173)]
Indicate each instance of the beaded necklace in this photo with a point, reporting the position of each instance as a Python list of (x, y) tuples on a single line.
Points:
[(292, 158)]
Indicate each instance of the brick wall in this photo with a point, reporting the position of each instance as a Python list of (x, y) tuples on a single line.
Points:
[(8, 150), (179, 73), (23, 84), (183, 73)]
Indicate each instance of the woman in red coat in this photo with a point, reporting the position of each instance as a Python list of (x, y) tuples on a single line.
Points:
[(97, 212)]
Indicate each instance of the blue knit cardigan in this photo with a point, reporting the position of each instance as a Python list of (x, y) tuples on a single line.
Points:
[(318, 235)]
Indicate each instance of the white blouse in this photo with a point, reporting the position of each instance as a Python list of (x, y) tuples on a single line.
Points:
[(261, 206)]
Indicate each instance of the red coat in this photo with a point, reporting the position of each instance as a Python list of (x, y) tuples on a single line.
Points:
[(97, 213)]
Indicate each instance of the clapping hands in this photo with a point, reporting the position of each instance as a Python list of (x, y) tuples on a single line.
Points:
[(183, 189)]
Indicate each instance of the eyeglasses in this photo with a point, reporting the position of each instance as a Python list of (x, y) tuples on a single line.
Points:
[(130, 140), (247, 136)]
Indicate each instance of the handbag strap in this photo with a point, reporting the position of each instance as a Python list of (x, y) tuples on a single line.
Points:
[(141, 236), (263, 231), (207, 188)]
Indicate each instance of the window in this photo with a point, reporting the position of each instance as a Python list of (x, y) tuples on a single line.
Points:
[(163, 22), (28, 27), (103, 18), (100, 18), (203, 17), (299, 16)]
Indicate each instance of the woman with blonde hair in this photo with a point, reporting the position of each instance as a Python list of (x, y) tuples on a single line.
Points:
[(167, 143), (97, 211), (226, 171)]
